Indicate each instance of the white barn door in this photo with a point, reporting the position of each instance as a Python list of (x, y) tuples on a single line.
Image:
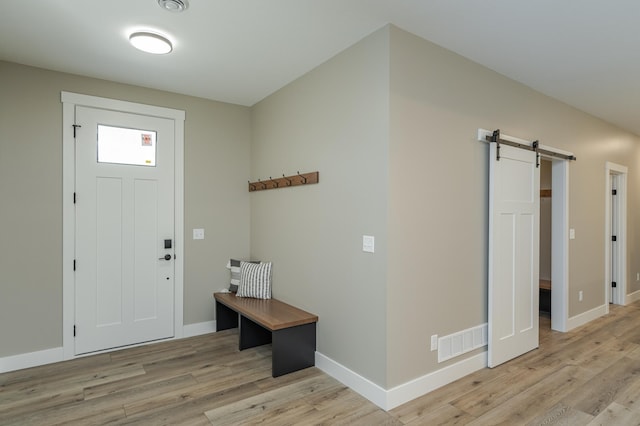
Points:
[(514, 222)]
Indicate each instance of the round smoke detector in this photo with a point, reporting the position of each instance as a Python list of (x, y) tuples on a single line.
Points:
[(174, 5)]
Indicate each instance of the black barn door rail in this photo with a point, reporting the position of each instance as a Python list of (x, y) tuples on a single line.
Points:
[(535, 146)]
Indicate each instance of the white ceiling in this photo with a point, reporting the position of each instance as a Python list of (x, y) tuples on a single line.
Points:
[(582, 52)]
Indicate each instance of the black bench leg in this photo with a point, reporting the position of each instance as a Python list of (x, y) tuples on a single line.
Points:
[(252, 334), (293, 349), (226, 317)]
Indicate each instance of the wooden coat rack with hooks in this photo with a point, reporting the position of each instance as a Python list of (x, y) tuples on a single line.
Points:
[(285, 181)]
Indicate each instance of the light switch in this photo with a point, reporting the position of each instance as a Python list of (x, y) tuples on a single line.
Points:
[(198, 234), (572, 234), (368, 243)]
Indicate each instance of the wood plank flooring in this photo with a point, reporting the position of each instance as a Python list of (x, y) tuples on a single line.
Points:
[(590, 376)]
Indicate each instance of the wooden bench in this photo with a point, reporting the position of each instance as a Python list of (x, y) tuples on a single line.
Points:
[(291, 331)]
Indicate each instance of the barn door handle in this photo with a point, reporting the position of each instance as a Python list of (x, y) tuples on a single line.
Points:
[(166, 257)]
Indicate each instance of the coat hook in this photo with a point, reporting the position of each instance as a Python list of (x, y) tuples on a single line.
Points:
[(252, 186), (262, 183), (274, 182), (287, 179), (304, 178)]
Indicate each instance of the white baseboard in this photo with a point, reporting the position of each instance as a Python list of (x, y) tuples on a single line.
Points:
[(389, 399), (49, 356), (632, 297), (363, 386), (191, 330), (586, 317), (429, 382), (31, 359)]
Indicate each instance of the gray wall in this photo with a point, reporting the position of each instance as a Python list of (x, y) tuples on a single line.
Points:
[(438, 179), (217, 137), (333, 120)]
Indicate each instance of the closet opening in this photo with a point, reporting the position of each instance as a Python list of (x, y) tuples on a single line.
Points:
[(546, 178)]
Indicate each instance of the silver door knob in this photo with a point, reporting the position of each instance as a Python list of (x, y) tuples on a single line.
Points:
[(166, 257)]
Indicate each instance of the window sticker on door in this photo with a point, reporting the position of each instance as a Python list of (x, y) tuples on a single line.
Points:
[(146, 139)]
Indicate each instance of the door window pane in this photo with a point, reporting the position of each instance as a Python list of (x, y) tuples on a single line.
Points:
[(119, 145)]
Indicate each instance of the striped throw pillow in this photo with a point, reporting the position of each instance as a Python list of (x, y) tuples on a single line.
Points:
[(234, 266), (255, 280)]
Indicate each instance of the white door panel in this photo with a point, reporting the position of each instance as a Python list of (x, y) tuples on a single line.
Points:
[(147, 269), (124, 286), (108, 241), (514, 220)]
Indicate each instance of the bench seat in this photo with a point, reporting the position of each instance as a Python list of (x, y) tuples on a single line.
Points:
[(291, 331)]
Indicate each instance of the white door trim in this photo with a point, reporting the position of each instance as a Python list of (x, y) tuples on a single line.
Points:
[(620, 171), (560, 245), (69, 101)]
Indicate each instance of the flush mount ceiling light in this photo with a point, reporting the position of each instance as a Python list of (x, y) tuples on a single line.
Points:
[(150, 42), (176, 6)]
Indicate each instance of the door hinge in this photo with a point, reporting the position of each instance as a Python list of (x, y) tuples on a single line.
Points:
[(614, 192), (74, 264), (75, 126), (74, 331), (614, 238), (614, 284)]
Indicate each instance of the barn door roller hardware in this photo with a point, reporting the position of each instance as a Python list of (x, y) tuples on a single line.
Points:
[(535, 146)]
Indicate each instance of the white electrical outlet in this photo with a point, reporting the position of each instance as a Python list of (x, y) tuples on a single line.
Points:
[(198, 234), (434, 342), (580, 296)]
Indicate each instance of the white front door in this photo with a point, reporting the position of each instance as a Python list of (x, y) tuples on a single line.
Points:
[(514, 227), (124, 285)]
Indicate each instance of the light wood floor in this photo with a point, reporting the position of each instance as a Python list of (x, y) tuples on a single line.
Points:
[(588, 376)]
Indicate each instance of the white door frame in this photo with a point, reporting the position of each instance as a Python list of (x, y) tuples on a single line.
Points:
[(612, 169), (559, 243), (559, 236), (69, 101)]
